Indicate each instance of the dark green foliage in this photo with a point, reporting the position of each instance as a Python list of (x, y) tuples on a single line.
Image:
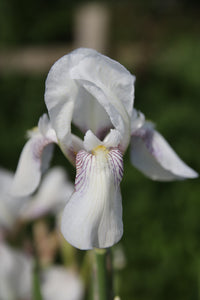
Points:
[(22, 103), (36, 22)]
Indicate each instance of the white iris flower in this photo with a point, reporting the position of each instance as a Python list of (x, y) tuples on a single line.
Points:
[(96, 94)]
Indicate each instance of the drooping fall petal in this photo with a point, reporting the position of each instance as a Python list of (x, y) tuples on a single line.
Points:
[(34, 159), (153, 156), (93, 215)]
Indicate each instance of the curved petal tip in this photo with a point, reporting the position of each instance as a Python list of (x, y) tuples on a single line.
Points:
[(153, 156), (34, 159)]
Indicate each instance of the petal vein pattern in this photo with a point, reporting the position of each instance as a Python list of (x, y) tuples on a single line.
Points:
[(93, 215)]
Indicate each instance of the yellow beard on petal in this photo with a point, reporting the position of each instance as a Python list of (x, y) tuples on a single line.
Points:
[(99, 149)]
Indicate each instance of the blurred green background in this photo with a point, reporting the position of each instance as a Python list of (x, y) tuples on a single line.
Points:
[(159, 42)]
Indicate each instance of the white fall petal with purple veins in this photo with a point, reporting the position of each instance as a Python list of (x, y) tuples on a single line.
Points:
[(96, 94), (96, 200), (152, 155)]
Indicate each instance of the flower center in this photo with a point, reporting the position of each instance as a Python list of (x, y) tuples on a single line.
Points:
[(99, 149)]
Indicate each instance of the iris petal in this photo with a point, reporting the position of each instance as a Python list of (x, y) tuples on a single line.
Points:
[(114, 108), (34, 159), (107, 74), (93, 215), (153, 156), (93, 91), (89, 114), (51, 196)]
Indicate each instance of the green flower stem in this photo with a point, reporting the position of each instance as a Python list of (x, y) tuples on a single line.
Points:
[(36, 284), (86, 267), (103, 287), (68, 253)]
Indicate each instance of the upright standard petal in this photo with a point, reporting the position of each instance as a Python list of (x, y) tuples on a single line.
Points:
[(90, 114), (153, 156), (117, 113), (93, 91), (34, 159), (112, 86), (93, 215), (108, 74), (60, 95)]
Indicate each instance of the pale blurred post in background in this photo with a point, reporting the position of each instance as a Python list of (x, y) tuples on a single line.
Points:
[(91, 27)]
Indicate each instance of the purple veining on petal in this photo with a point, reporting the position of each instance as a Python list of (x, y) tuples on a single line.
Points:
[(86, 161), (71, 153), (83, 166), (116, 165), (94, 211), (146, 134)]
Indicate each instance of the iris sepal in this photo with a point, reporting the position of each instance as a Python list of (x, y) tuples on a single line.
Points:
[(93, 215)]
